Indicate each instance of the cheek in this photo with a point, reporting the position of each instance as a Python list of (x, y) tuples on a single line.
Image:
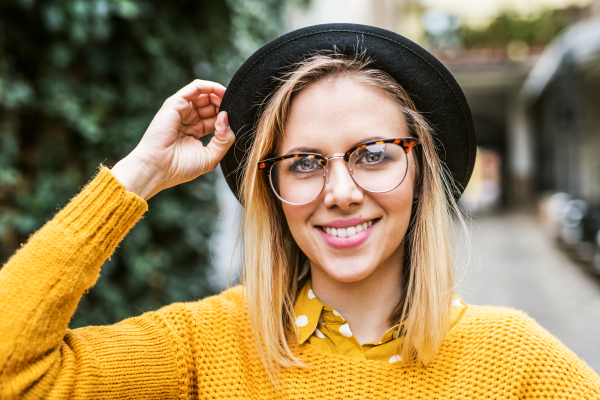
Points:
[(297, 217), (397, 205)]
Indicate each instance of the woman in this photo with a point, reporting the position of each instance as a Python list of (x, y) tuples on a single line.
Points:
[(348, 288)]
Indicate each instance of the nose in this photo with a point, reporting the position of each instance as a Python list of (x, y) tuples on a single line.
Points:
[(340, 189)]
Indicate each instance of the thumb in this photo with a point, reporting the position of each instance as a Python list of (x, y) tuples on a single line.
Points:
[(221, 141)]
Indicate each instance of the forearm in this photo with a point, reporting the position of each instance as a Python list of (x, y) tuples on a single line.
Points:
[(43, 281)]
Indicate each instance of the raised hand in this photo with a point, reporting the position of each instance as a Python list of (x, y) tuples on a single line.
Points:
[(170, 152)]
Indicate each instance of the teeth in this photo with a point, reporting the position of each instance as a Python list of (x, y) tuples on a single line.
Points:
[(347, 232)]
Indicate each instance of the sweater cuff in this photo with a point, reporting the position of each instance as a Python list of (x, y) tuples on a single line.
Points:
[(102, 213)]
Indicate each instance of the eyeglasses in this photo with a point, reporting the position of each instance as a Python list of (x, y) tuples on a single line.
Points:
[(376, 166)]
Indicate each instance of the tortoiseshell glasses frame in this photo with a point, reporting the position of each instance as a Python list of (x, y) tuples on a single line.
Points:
[(307, 174)]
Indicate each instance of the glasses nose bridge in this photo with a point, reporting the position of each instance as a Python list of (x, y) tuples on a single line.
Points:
[(331, 157), (335, 155)]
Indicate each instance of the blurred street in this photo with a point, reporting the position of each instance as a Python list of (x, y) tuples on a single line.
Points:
[(514, 264)]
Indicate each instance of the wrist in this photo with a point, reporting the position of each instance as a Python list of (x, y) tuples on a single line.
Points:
[(137, 176)]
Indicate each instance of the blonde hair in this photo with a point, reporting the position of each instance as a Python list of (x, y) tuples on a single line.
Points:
[(273, 261)]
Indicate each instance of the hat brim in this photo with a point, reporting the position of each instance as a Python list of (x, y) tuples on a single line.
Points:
[(431, 86)]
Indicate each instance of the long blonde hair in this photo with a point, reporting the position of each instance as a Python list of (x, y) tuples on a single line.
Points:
[(273, 261)]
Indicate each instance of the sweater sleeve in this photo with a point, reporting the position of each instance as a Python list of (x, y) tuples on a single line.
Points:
[(40, 287)]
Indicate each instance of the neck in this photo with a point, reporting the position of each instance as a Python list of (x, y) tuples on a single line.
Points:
[(366, 304)]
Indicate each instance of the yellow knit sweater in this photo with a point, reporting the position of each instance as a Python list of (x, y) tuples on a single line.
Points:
[(204, 349)]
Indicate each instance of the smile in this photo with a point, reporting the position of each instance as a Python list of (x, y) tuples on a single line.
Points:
[(349, 231), (343, 236)]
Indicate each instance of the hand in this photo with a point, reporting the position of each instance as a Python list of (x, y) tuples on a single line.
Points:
[(170, 152)]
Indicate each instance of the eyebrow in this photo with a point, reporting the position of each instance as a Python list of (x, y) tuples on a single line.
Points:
[(302, 149)]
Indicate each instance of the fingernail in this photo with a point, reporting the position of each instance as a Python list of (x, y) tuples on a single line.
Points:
[(225, 118)]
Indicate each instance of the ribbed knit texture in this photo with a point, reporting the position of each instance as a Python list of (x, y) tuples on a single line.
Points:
[(204, 349)]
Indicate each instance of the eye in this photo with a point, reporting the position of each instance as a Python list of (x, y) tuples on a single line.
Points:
[(305, 165), (372, 157), (367, 158)]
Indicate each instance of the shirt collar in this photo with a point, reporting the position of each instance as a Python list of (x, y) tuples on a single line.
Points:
[(309, 310)]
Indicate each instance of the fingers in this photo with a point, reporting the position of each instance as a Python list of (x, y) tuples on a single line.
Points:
[(221, 142), (216, 100), (206, 99), (201, 101), (208, 125), (198, 87), (207, 111), (197, 94), (202, 122)]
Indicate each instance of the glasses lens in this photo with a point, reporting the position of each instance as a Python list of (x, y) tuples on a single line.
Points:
[(379, 167), (298, 180)]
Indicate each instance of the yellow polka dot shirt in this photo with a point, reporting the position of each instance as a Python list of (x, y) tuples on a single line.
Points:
[(326, 329)]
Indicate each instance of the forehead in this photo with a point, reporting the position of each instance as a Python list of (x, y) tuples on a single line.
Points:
[(334, 114)]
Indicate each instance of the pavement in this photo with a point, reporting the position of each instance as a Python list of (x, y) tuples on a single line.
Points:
[(513, 263)]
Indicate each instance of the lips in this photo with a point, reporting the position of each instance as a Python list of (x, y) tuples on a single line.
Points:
[(349, 231), (354, 235)]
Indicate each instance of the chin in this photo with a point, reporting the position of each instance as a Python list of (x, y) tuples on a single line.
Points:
[(347, 272)]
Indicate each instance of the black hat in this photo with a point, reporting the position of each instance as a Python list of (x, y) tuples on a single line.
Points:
[(433, 89)]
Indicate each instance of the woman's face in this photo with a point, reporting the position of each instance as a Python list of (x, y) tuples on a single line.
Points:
[(331, 116)]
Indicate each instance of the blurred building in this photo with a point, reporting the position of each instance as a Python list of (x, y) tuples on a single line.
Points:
[(560, 102), (402, 16), (491, 80), (492, 77)]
